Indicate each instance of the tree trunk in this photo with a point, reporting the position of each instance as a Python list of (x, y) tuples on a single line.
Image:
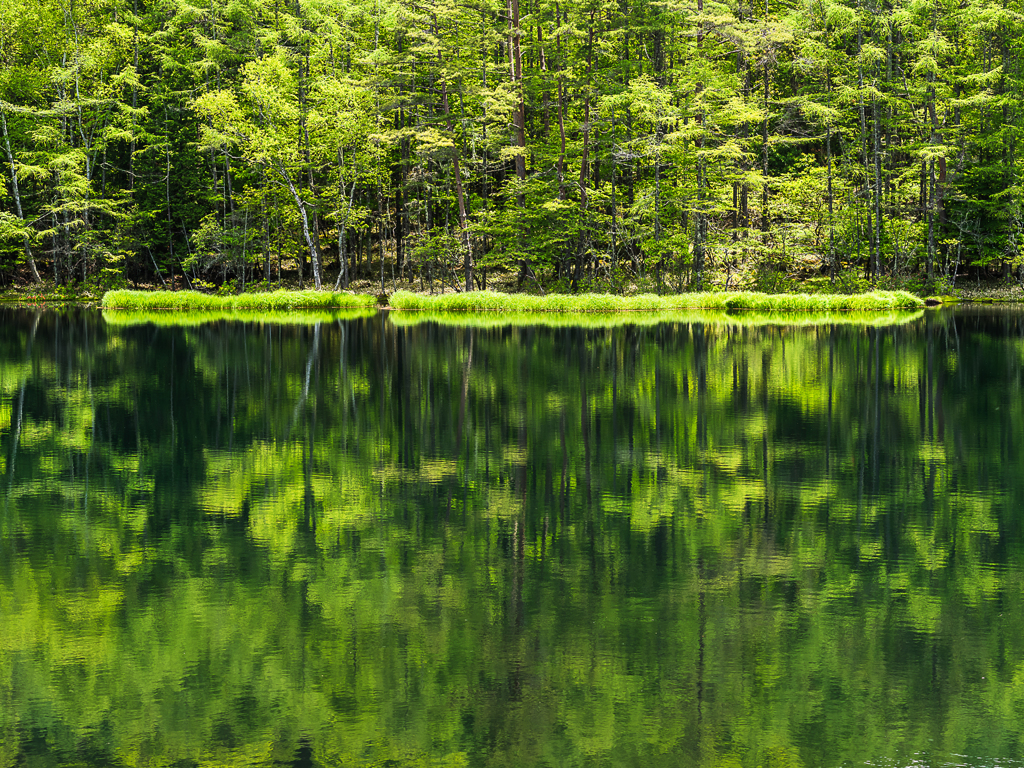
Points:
[(303, 215), (467, 262), (29, 259)]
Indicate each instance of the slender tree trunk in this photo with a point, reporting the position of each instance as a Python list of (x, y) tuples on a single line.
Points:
[(872, 258), (467, 263), (304, 218), (930, 266), (765, 222), (831, 206), (519, 115), (584, 161), (561, 107), (877, 151), (342, 280), (170, 214), (16, 193), (699, 216)]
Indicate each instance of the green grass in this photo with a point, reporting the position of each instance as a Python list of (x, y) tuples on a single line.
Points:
[(195, 301), (487, 301), (714, 317), (188, 318)]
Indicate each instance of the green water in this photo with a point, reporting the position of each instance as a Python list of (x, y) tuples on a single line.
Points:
[(355, 542)]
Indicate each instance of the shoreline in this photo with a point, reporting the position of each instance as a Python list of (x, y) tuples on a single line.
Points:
[(495, 302), (486, 301)]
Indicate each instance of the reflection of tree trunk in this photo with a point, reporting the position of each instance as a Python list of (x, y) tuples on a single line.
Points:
[(563, 486), (16, 435), (308, 497), (878, 405), (314, 353), (831, 381), (585, 430), (930, 383), (701, 633), (515, 615), (700, 348), (465, 393)]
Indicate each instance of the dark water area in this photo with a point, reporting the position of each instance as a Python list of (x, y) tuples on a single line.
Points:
[(360, 543)]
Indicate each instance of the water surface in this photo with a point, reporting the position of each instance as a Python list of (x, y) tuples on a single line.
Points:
[(359, 542)]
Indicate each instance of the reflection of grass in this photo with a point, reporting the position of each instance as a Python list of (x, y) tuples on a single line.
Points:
[(719, 317), (187, 318), (488, 301), (193, 300)]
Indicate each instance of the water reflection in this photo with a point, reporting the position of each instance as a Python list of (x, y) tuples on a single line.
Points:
[(359, 542)]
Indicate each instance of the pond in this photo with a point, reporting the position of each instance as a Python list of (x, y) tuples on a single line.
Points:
[(381, 541)]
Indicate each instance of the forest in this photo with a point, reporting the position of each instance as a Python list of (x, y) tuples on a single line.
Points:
[(547, 145)]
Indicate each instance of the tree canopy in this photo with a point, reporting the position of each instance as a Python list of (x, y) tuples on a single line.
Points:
[(592, 144)]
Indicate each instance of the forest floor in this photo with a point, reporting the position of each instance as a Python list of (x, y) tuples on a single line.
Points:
[(989, 292)]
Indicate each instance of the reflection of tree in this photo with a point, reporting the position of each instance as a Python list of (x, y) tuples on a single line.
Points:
[(679, 543)]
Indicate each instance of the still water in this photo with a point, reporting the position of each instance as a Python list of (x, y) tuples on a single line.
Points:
[(370, 541)]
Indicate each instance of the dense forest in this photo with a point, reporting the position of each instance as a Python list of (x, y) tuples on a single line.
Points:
[(593, 144)]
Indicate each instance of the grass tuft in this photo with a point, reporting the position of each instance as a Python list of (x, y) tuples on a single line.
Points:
[(488, 301), (196, 301)]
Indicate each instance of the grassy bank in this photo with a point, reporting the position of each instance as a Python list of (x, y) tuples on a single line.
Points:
[(186, 318), (487, 301), (713, 317), (195, 301)]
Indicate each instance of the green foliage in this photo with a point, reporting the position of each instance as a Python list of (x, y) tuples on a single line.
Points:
[(246, 141)]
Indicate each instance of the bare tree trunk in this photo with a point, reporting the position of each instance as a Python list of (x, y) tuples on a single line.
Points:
[(17, 199), (467, 262), (342, 280), (699, 217), (306, 233), (561, 111), (872, 257), (877, 150), (584, 161), (519, 115)]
